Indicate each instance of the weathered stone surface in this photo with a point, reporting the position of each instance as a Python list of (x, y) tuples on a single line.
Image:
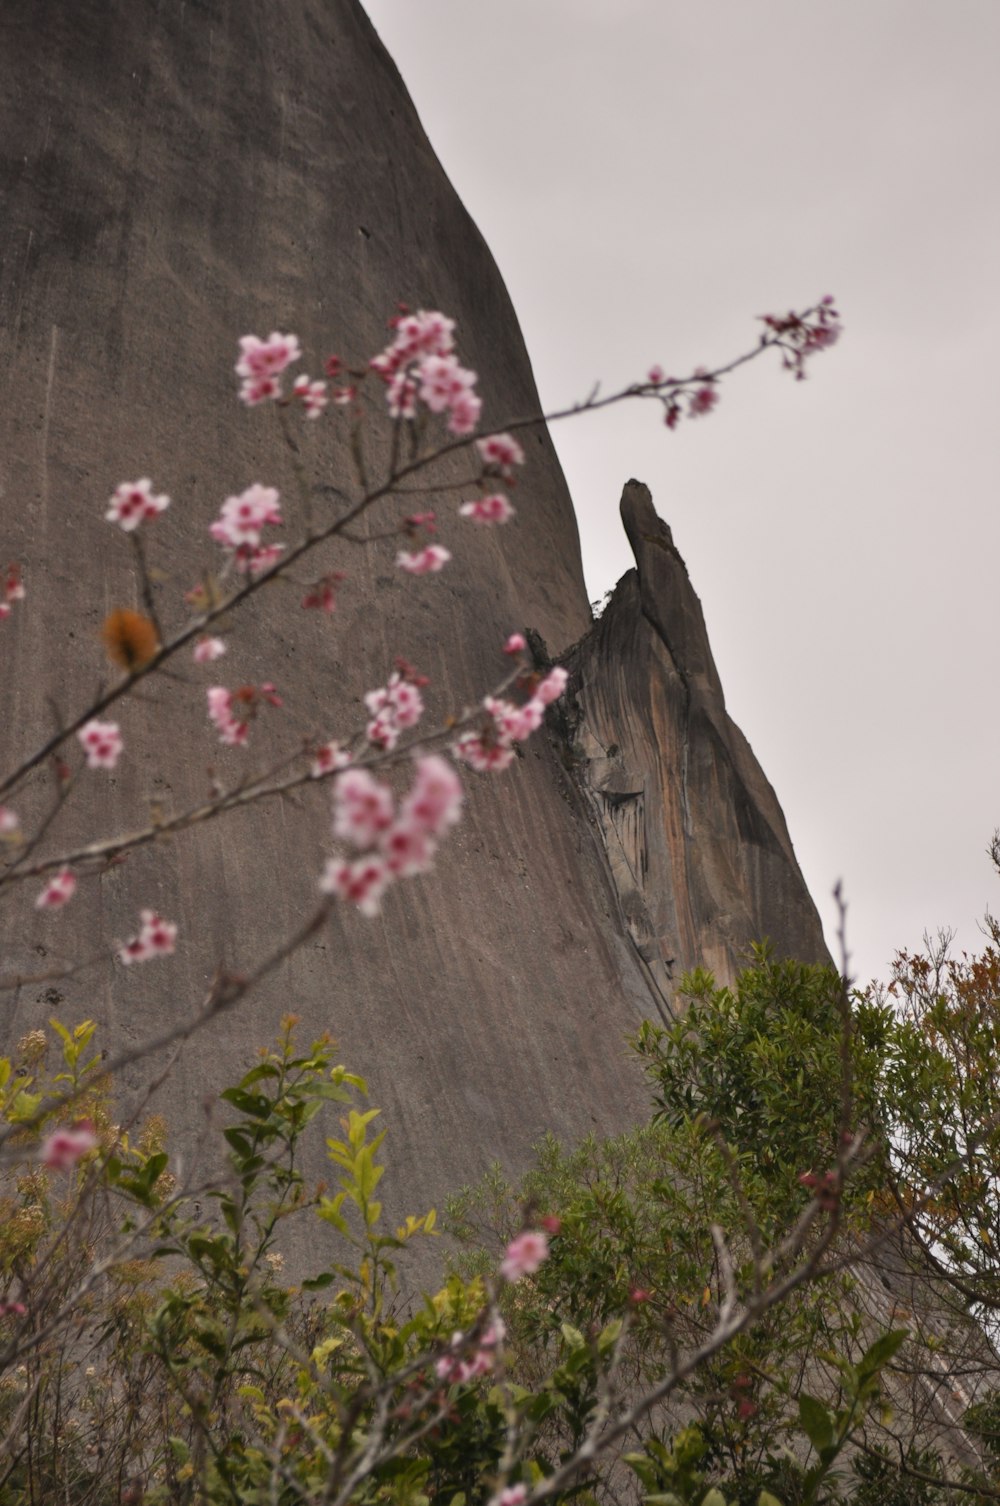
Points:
[(174, 175), (696, 840)]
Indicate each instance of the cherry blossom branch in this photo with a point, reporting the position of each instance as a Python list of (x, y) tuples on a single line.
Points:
[(225, 991), (247, 794), (659, 387)]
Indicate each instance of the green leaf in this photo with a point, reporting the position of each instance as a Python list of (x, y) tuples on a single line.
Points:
[(816, 1421), (882, 1351)]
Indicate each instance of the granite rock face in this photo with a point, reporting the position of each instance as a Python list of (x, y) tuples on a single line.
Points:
[(696, 841), (172, 176)]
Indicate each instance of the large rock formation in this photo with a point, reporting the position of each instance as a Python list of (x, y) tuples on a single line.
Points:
[(696, 841), (174, 175)]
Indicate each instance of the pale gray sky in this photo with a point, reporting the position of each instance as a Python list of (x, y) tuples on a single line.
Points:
[(650, 175)]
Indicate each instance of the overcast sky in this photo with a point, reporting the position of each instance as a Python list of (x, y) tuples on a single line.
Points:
[(651, 175)]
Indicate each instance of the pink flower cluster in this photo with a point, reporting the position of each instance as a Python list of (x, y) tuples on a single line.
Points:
[(62, 1149), (395, 708), (207, 649), (58, 891), (13, 590), (231, 710), (426, 561), (313, 395), (454, 1370), (499, 454), (157, 938), (133, 503), (420, 365), (491, 749), (261, 363), (398, 842), (329, 756), (239, 524), (322, 597), (102, 743), (495, 509), (9, 821), (801, 336), (511, 1495), (524, 1255)]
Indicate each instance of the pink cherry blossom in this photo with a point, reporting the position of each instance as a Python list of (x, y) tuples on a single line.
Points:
[(466, 408), (443, 382), (313, 395), (267, 357), (9, 821), (62, 1149), (425, 561), (13, 1310), (425, 520), (500, 452), (524, 1255), (435, 798), (552, 687), (157, 938), (656, 375), (13, 589), (102, 743), (207, 649), (402, 396), (701, 401), (241, 518), (516, 644), (58, 891), (329, 756), (261, 362), (407, 847), (511, 1495), (322, 597), (260, 389), (363, 808), (133, 503), (482, 753), (454, 1370), (495, 509), (362, 882), (232, 730)]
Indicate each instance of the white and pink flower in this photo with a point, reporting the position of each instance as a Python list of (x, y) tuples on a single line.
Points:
[(65, 1147), (232, 730), (524, 1255), (313, 395), (329, 757), (426, 561), (13, 589), (207, 649), (364, 808), (495, 509), (102, 743), (58, 891), (157, 938), (500, 452), (261, 363), (134, 503), (419, 366), (361, 882), (401, 841), (491, 748)]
